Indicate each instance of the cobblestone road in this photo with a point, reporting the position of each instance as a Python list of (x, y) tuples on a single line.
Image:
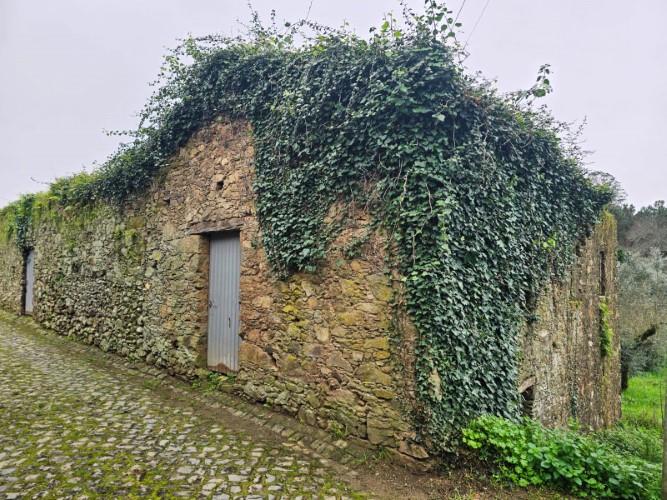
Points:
[(70, 428)]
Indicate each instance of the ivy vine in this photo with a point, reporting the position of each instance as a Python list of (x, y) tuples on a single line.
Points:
[(606, 330), (16, 221), (483, 198)]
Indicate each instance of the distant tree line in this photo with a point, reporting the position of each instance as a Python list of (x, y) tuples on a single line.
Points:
[(642, 230), (642, 237), (642, 256)]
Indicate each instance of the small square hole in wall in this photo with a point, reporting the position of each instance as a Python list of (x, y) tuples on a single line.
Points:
[(219, 185)]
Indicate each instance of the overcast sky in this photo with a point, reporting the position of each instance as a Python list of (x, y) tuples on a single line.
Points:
[(70, 69)]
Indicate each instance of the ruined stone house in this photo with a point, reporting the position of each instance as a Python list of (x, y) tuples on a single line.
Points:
[(178, 278)]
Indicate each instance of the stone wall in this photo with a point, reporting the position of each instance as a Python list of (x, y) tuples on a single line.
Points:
[(563, 369), (134, 281), (324, 347), (11, 276)]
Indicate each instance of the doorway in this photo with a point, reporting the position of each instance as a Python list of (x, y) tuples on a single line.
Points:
[(223, 301), (29, 282)]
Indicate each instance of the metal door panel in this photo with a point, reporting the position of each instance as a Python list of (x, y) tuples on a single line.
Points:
[(29, 281), (223, 312)]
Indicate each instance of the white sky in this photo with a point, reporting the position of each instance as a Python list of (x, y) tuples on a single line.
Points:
[(70, 69)]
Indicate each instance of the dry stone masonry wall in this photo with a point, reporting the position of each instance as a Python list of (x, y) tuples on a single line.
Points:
[(331, 348), (563, 368), (11, 276)]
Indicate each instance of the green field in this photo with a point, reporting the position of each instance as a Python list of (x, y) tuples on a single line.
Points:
[(643, 401), (639, 432)]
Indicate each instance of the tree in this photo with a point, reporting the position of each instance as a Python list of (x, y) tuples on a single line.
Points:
[(600, 178), (649, 229), (643, 310), (625, 218)]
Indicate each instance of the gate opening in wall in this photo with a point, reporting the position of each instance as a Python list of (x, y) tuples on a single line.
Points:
[(29, 282), (223, 301)]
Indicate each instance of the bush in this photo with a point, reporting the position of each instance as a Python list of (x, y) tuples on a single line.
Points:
[(528, 454), (647, 356)]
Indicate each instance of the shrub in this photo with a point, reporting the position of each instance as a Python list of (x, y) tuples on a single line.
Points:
[(528, 454), (643, 357)]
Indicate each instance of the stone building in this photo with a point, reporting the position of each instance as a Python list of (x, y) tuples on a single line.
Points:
[(320, 346)]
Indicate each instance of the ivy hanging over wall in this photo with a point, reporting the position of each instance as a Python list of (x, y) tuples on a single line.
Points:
[(16, 221), (606, 331), (481, 195)]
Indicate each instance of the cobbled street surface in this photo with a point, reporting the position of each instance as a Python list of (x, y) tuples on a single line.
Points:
[(70, 428)]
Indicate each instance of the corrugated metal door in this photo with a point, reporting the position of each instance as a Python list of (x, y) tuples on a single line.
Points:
[(29, 281), (223, 303)]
